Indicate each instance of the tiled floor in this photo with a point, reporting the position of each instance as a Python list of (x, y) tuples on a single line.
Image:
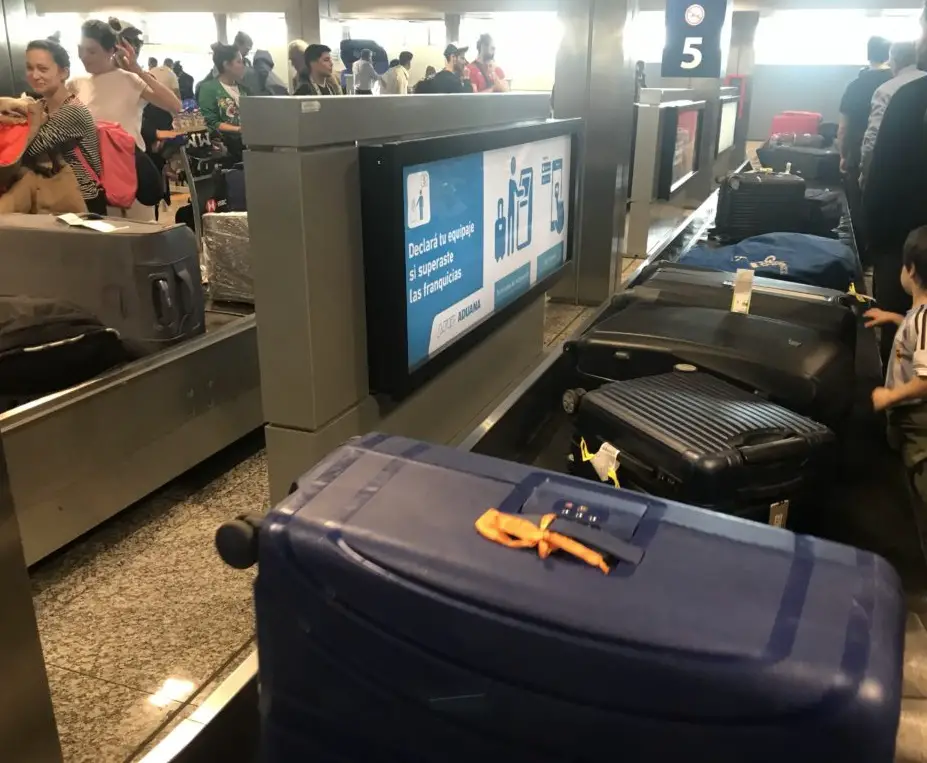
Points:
[(140, 619)]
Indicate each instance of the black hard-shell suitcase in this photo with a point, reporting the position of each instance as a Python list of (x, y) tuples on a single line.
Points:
[(47, 346), (142, 279), (818, 164), (830, 312), (792, 365), (753, 203), (694, 438)]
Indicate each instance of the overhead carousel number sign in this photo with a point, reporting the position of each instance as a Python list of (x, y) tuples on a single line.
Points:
[(693, 38)]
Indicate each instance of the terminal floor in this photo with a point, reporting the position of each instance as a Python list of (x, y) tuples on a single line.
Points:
[(140, 620)]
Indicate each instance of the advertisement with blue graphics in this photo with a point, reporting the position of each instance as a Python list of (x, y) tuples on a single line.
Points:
[(480, 231)]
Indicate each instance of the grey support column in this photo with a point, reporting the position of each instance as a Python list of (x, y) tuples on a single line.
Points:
[(27, 721), (452, 27), (302, 20), (743, 32), (595, 80), (14, 35)]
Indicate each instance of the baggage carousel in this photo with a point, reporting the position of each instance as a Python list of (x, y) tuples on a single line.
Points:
[(80, 456), (869, 508)]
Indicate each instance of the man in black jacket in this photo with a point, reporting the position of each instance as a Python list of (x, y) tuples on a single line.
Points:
[(895, 196)]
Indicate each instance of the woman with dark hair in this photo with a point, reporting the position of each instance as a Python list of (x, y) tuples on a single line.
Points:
[(115, 85), (219, 97), (69, 131)]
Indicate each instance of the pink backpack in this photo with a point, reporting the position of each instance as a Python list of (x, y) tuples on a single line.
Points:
[(117, 152)]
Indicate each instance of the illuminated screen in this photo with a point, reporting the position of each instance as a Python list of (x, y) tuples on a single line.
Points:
[(686, 146), (728, 124), (459, 232), (480, 230)]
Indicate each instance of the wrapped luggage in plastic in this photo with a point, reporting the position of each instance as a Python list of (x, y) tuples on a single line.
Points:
[(227, 257)]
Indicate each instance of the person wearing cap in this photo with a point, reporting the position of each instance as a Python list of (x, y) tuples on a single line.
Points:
[(485, 76), (453, 78)]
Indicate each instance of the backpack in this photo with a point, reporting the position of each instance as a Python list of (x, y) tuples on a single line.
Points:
[(117, 152)]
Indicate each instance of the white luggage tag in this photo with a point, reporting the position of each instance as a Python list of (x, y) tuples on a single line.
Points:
[(743, 291), (75, 221), (604, 461)]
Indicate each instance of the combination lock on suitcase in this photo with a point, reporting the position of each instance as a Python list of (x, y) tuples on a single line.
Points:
[(693, 438)]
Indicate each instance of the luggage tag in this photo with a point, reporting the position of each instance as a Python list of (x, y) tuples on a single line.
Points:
[(779, 513), (864, 298), (743, 291), (604, 460), (76, 221)]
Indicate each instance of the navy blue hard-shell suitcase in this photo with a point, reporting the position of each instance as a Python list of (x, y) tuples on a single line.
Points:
[(390, 630)]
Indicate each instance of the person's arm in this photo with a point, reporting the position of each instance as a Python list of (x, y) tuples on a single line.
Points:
[(66, 126), (499, 83), (876, 317), (209, 106), (154, 92), (876, 112), (887, 161), (915, 389)]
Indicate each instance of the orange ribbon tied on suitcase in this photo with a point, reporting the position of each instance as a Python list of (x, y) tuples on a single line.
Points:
[(513, 531)]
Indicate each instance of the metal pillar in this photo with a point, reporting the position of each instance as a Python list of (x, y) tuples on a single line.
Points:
[(452, 28), (27, 721), (302, 20), (597, 79), (13, 40)]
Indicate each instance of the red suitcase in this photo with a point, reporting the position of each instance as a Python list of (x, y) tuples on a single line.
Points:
[(798, 122)]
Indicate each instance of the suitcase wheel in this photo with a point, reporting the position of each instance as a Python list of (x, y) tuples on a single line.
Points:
[(570, 400), (237, 540)]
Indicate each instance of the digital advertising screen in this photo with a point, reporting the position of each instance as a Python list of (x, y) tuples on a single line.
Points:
[(479, 231), (729, 110), (681, 128)]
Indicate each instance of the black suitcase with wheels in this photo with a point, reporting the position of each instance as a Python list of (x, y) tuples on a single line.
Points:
[(48, 345), (694, 438), (792, 365), (753, 203), (832, 313), (818, 164)]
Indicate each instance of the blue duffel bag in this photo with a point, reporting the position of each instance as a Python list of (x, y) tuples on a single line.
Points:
[(797, 257), (391, 631)]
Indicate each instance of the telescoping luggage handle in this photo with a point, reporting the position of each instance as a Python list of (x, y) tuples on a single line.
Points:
[(771, 444), (583, 520)]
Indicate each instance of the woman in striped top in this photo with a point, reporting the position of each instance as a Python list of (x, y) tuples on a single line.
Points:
[(69, 130)]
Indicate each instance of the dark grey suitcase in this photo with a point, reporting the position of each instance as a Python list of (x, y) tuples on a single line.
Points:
[(832, 313), (143, 279), (754, 203), (792, 365), (694, 438)]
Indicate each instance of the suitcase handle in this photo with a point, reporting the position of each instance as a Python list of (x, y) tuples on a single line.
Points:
[(770, 445), (186, 293), (161, 299)]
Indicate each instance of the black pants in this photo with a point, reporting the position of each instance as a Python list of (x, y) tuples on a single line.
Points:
[(360, 91), (886, 261), (854, 196)]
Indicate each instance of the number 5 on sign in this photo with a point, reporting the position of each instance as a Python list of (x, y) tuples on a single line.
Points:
[(691, 50)]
